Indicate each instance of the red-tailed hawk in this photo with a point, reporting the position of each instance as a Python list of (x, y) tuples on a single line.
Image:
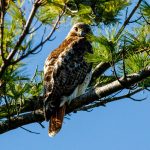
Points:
[(66, 75)]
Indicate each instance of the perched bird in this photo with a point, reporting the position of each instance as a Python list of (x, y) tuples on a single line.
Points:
[(66, 75)]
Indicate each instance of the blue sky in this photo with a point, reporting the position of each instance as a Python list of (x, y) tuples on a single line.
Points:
[(121, 125)]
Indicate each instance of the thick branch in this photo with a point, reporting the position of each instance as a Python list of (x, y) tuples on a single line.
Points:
[(100, 69), (100, 92), (89, 97), (2, 28), (107, 100), (16, 122), (27, 106)]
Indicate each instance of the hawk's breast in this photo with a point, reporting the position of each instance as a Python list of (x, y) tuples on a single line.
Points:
[(66, 73), (79, 90)]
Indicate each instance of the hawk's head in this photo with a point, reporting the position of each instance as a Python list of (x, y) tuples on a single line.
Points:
[(80, 29)]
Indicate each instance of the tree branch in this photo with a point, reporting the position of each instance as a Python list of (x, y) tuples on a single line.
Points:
[(103, 66), (20, 40), (85, 99), (99, 70), (51, 33), (107, 100), (128, 19), (2, 13), (2, 69), (21, 120)]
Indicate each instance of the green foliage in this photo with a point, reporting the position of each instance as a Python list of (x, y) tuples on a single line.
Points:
[(36, 84), (145, 83), (103, 80), (16, 13), (139, 39), (49, 12), (108, 11), (145, 10), (137, 62), (14, 25), (82, 10), (105, 47), (137, 47), (84, 14), (17, 87), (101, 10)]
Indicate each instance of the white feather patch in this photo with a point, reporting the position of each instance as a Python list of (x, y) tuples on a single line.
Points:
[(79, 90)]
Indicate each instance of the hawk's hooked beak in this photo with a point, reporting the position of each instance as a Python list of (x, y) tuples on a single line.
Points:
[(82, 33)]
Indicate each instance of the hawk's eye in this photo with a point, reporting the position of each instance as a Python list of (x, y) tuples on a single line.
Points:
[(75, 28), (87, 30)]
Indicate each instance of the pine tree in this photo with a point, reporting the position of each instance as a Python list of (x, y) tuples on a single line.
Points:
[(121, 46)]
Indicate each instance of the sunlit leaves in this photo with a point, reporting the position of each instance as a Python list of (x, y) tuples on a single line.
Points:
[(90, 11), (49, 12), (105, 47), (137, 47), (108, 11), (139, 40), (20, 3), (84, 14), (21, 87), (14, 24), (36, 84), (102, 53), (145, 83), (137, 62), (16, 14)]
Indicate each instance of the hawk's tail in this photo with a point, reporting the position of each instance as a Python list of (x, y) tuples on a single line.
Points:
[(56, 121)]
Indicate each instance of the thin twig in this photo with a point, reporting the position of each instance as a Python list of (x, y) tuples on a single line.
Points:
[(8, 110), (35, 29), (123, 60), (128, 19), (135, 20), (41, 125), (123, 52), (107, 100), (42, 41), (50, 34), (29, 130), (147, 89), (25, 31), (115, 72), (35, 52), (137, 100)]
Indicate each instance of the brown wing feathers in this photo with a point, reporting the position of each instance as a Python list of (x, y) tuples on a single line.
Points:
[(64, 70)]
